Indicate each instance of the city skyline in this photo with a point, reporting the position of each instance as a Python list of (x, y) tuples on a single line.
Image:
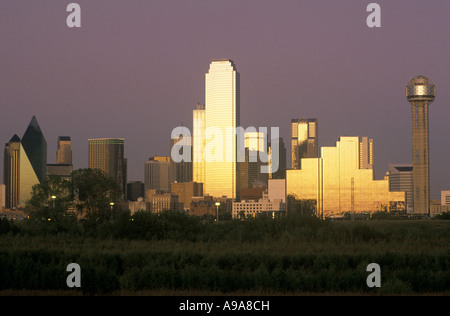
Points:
[(296, 60)]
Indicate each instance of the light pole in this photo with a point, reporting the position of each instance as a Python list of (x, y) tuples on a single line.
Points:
[(217, 207), (53, 200), (111, 204)]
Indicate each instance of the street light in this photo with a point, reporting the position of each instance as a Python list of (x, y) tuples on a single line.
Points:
[(53, 199), (111, 204), (217, 207)]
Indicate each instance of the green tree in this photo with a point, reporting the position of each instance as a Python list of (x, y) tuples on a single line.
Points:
[(49, 206), (96, 195)]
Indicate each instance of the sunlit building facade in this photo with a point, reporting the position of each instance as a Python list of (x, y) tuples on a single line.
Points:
[(340, 183), (222, 106), (25, 164), (304, 141), (198, 144)]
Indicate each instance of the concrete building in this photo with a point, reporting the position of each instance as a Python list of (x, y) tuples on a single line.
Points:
[(401, 180), (251, 208), (420, 92), (186, 191), (445, 197)]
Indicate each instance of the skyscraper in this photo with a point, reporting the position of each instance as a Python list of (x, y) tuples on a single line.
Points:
[(222, 116), (420, 92), (181, 171), (304, 141), (157, 170), (107, 154), (198, 144), (25, 164), (64, 151), (11, 167)]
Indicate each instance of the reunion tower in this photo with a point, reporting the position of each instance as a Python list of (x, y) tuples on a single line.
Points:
[(420, 92)]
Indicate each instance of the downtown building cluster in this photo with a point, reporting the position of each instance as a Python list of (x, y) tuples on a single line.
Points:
[(336, 181)]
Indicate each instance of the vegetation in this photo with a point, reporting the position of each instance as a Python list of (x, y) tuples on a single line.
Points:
[(171, 252)]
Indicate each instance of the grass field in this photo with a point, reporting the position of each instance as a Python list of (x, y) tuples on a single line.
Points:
[(255, 259)]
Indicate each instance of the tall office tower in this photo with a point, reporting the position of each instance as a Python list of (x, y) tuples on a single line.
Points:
[(401, 180), (107, 154), (25, 164), (304, 141), (35, 146), (198, 143), (420, 92), (64, 151), (181, 171), (157, 170), (222, 116), (11, 167)]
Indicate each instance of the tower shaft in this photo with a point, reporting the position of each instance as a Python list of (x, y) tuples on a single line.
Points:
[(420, 156)]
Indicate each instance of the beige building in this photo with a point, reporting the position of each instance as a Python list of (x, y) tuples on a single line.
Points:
[(251, 208), (185, 191), (340, 182)]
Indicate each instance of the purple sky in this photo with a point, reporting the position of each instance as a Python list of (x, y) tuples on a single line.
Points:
[(135, 69)]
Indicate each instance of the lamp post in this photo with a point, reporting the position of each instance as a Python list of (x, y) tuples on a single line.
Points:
[(111, 204), (217, 208), (53, 200)]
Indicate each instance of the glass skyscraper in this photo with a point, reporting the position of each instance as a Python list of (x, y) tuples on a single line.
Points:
[(222, 108), (24, 165), (304, 141)]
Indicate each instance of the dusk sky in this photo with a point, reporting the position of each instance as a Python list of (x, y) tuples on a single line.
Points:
[(136, 69)]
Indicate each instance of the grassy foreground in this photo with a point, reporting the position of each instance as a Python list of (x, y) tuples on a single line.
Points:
[(316, 259)]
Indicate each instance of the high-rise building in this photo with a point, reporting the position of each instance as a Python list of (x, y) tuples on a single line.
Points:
[(181, 171), (250, 172), (11, 167), (25, 164), (198, 144), (157, 171), (420, 92), (222, 116), (108, 155), (337, 184), (401, 180), (64, 151), (63, 166), (304, 141)]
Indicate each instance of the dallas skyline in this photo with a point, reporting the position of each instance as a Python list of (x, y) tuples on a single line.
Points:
[(136, 71)]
